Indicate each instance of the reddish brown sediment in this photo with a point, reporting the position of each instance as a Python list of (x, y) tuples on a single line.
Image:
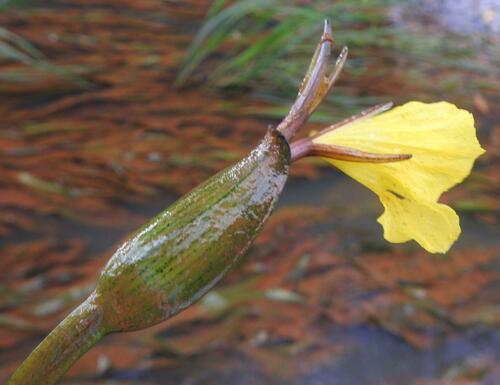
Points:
[(98, 158), (53, 244)]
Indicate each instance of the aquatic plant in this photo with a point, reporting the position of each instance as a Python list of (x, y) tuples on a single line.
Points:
[(264, 46), (184, 251), (16, 48)]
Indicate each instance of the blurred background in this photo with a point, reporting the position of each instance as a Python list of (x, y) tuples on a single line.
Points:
[(110, 110)]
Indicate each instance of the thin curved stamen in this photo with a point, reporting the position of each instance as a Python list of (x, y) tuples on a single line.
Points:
[(365, 114), (306, 147)]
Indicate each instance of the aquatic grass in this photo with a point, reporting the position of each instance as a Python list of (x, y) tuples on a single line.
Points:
[(7, 4), (21, 43), (266, 42), (244, 43), (17, 49), (268, 21)]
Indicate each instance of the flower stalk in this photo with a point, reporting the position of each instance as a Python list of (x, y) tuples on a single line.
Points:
[(76, 334)]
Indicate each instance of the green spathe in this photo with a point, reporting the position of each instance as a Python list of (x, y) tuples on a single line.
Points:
[(184, 251), (171, 261)]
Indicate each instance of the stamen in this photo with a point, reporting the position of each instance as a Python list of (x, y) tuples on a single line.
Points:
[(368, 113), (353, 155), (306, 147)]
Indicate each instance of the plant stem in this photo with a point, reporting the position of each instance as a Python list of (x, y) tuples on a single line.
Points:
[(74, 336)]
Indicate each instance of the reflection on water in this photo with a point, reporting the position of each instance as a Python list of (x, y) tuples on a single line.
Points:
[(321, 298), (466, 17), (377, 357)]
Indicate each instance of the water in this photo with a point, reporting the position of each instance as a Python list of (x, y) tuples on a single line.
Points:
[(371, 313)]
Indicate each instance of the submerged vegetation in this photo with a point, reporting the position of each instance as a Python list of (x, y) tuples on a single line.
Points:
[(261, 46), (17, 49)]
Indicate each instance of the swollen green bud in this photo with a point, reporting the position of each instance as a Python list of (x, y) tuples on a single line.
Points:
[(181, 253), (171, 261)]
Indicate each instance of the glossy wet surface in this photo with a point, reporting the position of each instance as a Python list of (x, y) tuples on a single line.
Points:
[(321, 297)]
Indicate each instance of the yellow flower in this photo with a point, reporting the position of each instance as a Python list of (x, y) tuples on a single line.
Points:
[(442, 141)]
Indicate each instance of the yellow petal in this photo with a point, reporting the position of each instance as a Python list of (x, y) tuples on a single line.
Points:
[(442, 140)]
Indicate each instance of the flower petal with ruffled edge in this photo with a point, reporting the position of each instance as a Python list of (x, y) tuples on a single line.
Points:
[(442, 141)]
